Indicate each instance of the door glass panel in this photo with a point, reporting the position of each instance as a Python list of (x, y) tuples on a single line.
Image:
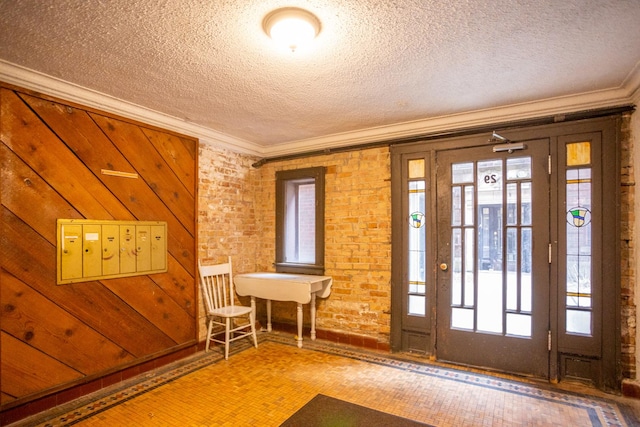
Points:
[(512, 204), (490, 199), (579, 322), (489, 304), (469, 272), (417, 305), (462, 318), (461, 173), (512, 268), (525, 197), (525, 270), (469, 217), (417, 249), (456, 270), (578, 257), (519, 168), (492, 253), (519, 324), (463, 240), (456, 206)]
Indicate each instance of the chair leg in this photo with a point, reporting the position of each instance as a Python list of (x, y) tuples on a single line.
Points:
[(209, 329), (226, 338)]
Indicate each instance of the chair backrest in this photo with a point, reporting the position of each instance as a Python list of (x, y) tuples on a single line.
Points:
[(217, 285)]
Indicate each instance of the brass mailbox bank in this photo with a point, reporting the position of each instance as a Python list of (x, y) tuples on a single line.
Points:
[(103, 249)]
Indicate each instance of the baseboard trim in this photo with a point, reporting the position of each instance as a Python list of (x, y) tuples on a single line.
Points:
[(335, 337)]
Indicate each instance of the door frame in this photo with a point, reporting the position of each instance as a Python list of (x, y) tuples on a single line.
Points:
[(606, 368)]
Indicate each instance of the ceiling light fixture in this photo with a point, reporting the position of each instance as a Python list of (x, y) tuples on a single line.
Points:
[(291, 27)]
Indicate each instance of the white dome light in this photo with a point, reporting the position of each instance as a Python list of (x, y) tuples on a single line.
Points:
[(291, 27)]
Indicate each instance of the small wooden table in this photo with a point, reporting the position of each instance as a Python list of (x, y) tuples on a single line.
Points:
[(299, 288)]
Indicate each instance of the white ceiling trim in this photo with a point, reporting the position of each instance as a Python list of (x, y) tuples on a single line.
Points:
[(52, 86), (633, 83), (627, 93)]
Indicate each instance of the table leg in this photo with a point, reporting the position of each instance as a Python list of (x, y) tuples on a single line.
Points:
[(268, 315), (253, 310), (313, 316), (299, 316)]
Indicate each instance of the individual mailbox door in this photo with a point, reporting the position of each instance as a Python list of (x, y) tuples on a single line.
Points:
[(70, 252), (158, 247), (143, 247), (91, 250), (127, 248), (110, 249)]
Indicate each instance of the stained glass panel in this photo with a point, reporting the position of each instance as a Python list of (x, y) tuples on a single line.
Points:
[(416, 168), (417, 248), (578, 256), (578, 153)]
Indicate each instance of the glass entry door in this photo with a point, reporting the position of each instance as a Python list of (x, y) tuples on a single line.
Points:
[(493, 255)]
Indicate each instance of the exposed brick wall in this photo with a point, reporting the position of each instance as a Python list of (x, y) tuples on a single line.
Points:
[(226, 215), (357, 240), (627, 252), (630, 137), (237, 217)]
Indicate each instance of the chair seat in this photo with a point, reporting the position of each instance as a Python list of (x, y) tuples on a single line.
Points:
[(230, 311)]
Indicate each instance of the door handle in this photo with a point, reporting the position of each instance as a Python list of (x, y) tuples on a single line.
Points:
[(444, 266)]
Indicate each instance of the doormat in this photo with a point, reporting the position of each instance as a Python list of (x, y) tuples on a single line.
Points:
[(325, 411)]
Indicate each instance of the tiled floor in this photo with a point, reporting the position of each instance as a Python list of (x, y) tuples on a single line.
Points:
[(264, 386)]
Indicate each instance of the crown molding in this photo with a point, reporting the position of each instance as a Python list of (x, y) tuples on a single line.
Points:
[(626, 94), (633, 83), (33, 80)]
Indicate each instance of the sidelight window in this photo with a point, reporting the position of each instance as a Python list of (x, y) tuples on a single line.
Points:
[(578, 203), (417, 292)]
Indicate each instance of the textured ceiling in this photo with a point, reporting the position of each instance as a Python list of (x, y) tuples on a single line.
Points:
[(375, 63)]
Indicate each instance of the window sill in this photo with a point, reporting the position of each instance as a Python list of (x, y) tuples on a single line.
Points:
[(284, 267)]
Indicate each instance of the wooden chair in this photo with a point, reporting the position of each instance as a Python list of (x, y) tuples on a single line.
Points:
[(219, 298)]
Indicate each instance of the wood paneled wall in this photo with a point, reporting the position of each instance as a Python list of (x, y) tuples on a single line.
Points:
[(57, 336)]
